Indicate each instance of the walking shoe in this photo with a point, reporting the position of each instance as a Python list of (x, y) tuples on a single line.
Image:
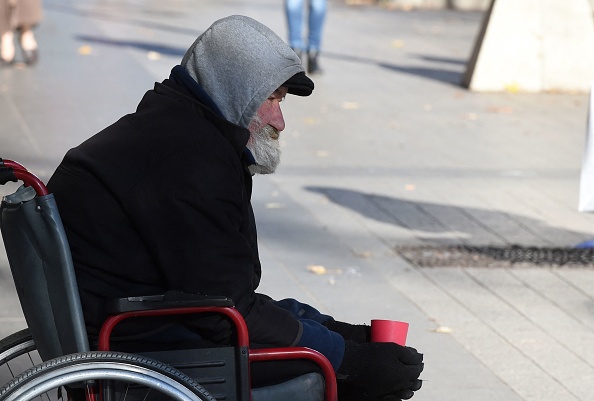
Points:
[(313, 67)]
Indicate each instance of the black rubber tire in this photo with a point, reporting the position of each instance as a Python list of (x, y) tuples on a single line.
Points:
[(17, 354), (15, 345), (108, 365)]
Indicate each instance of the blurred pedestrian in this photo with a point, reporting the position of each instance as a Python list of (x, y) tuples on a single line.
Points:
[(17, 20), (295, 11)]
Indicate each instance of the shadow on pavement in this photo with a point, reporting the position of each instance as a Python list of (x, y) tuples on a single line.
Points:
[(439, 224), (438, 74), (147, 46), (113, 17)]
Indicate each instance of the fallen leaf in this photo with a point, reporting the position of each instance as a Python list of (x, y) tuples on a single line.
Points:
[(85, 50), (316, 269), (443, 330), (319, 269), (152, 55), (274, 205), (398, 44)]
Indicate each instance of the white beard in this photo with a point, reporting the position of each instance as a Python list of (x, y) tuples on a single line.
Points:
[(265, 150)]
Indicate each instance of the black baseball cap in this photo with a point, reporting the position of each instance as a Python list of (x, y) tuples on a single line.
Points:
[(299, 84)]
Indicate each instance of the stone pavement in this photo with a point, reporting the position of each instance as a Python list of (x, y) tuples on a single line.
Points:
[(389, 151)]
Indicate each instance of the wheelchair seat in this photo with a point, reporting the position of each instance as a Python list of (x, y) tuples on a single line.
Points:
[(44, 276)]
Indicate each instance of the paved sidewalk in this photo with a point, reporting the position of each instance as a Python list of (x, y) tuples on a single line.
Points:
[(389, 151)]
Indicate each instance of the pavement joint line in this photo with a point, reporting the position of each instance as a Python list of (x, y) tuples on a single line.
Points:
[(533, 321), (493, 329), (572, 284)]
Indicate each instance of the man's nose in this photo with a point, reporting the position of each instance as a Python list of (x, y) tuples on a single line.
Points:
[(277, 121)]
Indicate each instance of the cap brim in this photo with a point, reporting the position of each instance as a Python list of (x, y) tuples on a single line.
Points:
[(299, 84)]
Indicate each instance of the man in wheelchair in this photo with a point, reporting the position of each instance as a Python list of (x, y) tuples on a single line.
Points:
[(160, 201)]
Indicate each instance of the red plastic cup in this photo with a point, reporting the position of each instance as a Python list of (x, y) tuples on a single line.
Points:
[(389, 331)]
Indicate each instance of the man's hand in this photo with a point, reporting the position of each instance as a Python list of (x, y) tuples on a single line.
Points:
[(403, 394), (384, 371)]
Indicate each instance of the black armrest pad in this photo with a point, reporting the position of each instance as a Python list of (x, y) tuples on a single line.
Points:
[(6, 174), (171, 299)]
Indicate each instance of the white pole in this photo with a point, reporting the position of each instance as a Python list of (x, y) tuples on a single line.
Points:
[(586, 202)]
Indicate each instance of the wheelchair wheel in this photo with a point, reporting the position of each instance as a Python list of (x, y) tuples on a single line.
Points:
[(113, 376), (17, 354)]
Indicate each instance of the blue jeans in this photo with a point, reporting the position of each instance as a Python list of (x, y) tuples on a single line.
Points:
[(315, 335), (295, 11)]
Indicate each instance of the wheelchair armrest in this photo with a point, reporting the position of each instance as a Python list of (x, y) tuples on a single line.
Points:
[(276, 354), (171, 299)]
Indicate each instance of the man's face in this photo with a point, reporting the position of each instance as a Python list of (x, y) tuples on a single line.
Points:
[(265, 128)]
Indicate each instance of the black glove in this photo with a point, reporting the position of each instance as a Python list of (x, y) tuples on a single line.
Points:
[(350, 332), (382, 369), (403, 394)]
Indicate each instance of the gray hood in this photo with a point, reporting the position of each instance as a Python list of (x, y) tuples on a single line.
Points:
[(239, 63)]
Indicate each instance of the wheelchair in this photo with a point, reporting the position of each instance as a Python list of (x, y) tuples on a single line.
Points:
[(54, 359)]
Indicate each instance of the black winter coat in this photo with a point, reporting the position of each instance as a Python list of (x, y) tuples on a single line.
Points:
[(160, 201)]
